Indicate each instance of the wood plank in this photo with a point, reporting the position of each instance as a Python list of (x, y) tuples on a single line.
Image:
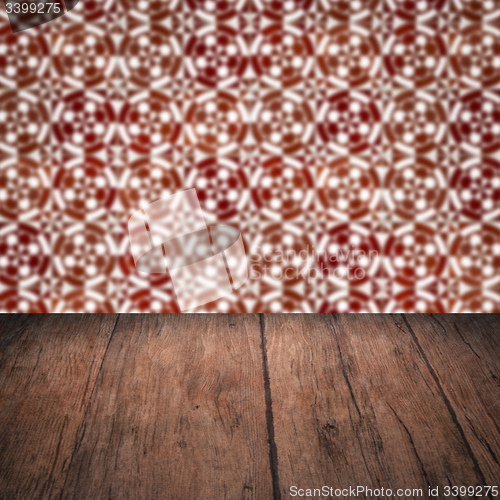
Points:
[(47, 373), (11, 326), (179, 412), (463, 352), (355, 404)]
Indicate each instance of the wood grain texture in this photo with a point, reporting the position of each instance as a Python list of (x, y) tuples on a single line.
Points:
[(245, 406), (179, 412), (464, 355), (47, 375), (355, 403)]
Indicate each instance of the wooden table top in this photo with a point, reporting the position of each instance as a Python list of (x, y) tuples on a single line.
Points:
[(246, 406)]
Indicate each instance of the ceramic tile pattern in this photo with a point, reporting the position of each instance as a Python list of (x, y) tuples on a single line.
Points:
[(348, 128)]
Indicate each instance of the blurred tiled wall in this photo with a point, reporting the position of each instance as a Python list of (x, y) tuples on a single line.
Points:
[(363, 133)]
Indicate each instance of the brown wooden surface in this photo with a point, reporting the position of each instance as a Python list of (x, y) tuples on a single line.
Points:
[(246, 406), (47, 375)]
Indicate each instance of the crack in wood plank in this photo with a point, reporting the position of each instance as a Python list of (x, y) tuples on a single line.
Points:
[(448, 405), (273, 451)]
